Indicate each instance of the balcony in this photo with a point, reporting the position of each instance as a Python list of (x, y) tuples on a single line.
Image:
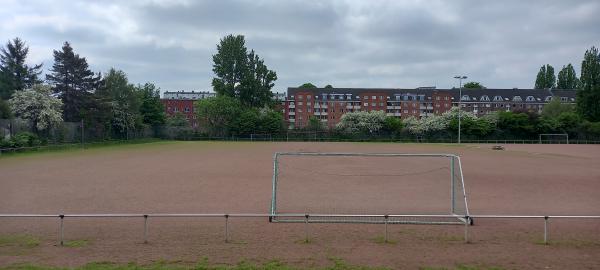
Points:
[(291, 113), (291, 106)]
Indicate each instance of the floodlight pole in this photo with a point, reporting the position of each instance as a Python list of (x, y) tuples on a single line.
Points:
[(460, 78)]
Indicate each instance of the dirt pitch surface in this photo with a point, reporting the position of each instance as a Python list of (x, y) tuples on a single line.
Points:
[(235, 177)]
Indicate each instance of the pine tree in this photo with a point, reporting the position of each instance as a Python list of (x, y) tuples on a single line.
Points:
[(73, 80), (545, 78), (588, 94), (567, 79), (15, 74)]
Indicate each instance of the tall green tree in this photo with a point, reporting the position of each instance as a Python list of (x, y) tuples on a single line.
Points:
[(473, 85), (123, 101), (328, 86), (218, 114), (588, 94), (308, 85), (73, 80), (545, 77), (240, 74), (151, 109), (567, 79), (15, 74), (5, 112)]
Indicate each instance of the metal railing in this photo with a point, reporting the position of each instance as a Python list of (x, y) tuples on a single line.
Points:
[(62, 217)]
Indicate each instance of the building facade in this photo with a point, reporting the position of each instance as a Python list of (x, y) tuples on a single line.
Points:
[(183, 102), (329, 104)]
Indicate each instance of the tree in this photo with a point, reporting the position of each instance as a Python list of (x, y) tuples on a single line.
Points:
[(473, 85), (314, 124), (122, 99), (554, 108), (240, 74), (38, 106), (328, 86), (151, 109), (218, 113), (362, 122), (307, 85), (177, 120), (16, 75), (567, 79), (392, 125), (5, 112), (588, 94), (545, 78), (255, 89), (72, 79)]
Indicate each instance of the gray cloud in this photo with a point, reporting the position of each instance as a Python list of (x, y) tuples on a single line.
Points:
[(344, 43)]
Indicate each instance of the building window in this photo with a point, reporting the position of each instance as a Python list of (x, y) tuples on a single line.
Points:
[(366, 104), (300, 96), (366, 97), (564, 99), (373, 97), (300, 103), (530, 98), (373, 104), (187, 109), (308, 97), (517, 98), (497, 98)]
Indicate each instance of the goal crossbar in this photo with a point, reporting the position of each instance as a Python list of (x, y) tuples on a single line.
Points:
[(454, 217)]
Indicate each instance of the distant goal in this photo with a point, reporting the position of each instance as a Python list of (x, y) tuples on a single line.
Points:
[(560, 138), (368, 188)]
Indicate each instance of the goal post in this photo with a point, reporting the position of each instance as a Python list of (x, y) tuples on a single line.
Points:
[(368, 188), (554, 138)]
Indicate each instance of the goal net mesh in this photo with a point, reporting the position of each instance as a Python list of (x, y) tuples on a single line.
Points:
[(345, 187)]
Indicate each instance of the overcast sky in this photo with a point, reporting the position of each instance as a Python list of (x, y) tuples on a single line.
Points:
[(396, 44)]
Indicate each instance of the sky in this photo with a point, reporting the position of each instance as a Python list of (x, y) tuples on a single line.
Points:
[(380, 44)]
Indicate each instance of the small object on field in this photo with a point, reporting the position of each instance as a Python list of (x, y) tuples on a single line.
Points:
[(497, 147)]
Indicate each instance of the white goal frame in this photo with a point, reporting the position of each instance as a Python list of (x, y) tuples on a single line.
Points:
[(566, 135), (452, 217)]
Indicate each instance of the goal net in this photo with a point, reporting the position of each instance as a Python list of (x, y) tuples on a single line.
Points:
[(554, 138), (368, 188)]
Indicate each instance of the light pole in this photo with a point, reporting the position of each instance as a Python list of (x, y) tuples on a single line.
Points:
[(460, 78)]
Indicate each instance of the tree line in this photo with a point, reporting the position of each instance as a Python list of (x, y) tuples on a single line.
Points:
[(111, 106)]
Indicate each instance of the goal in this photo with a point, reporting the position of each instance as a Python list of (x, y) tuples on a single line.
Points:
[(368, 188), (561, 138)]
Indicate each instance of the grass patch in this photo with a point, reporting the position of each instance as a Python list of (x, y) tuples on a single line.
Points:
[(338, 264), (19, 240), (76, 243), (462, 267), (381, 240), (304, 241)]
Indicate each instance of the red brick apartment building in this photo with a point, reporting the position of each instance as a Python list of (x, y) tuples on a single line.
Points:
[(183, 102), (329, 104)]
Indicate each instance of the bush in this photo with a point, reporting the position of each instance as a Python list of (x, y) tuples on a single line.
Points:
[(25, 139)]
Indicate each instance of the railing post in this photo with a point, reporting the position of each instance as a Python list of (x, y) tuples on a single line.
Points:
[(62, 229), (385, 238), (145, 229), (545, 230), (306, 239), (226, 228), (466, 230)]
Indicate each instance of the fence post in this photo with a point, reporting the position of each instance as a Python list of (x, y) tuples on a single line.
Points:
[(226, 228), (385, 238), (545, 230), (62, 230), (306, 239), (466, 230), (145, 229)]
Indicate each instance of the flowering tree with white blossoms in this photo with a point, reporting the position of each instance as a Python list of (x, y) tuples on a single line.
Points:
[(38, 106), (356, 122)]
